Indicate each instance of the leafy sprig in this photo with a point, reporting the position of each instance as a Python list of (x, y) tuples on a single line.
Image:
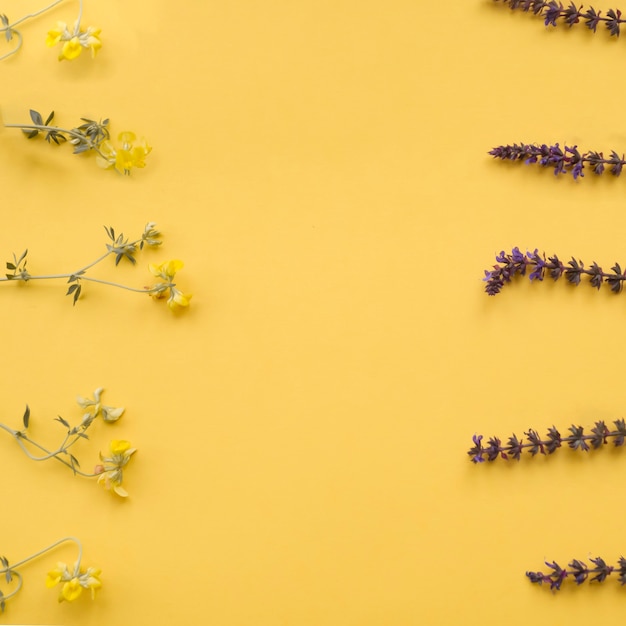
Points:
[(579, 571), (599, 435), (554, 13), (90, 136), (121, 248), (564, 160), (537, 266), (110, 472)]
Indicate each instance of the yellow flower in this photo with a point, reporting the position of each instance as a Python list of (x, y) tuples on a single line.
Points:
[(111, 473), (74, 40), (126, 157), (167, 270), (73, 581), (178, 298), (109, 413), (119, 446), (70, 590), (54, 35), (54, 576)]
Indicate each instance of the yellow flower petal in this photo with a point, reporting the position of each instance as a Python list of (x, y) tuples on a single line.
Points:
[(119, 446), (53, 37), (71, 49), (71, 590)]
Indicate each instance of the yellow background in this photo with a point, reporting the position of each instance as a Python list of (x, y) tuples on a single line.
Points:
[(321, 167)]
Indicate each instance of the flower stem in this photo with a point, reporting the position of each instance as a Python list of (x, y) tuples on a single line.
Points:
[(30, 15), (72, 133), (79, 18)]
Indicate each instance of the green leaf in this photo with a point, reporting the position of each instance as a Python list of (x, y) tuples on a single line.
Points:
[(77, 294), (60, 419), (72, 289), (49, 118), (36, 117), (10, 266), (26, 417), (30, 133)]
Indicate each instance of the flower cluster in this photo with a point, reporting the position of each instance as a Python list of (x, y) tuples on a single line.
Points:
[(552, 11), (564, 160), (91, 136), (579, 571), (121, 248), (537, 265), (598, 436), (73, 581), (130, 154), (110, 474), (167, 270), (74, 40)]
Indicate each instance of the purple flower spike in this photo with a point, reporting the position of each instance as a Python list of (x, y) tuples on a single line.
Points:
[(517, 263), (579, 571), (566, 160), (600, 435), (554, 13)]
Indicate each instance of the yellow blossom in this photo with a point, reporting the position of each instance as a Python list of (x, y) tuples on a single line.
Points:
[(74, 40), (119, 446), (167, 270), (111, 472), (178, 298), (73, 581), (126, 157)]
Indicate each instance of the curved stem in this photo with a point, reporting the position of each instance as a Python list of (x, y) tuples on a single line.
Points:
[(20, 438), (19, 45), (47, 549), (60, 460), (19, 584), (30, 15)]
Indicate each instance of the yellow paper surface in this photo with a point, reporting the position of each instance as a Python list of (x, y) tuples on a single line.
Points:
[(321, 168)]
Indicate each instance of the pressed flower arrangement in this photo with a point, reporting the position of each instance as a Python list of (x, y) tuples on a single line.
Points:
[(123, 152), (72, 39), (73, 580), (566, 160)]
